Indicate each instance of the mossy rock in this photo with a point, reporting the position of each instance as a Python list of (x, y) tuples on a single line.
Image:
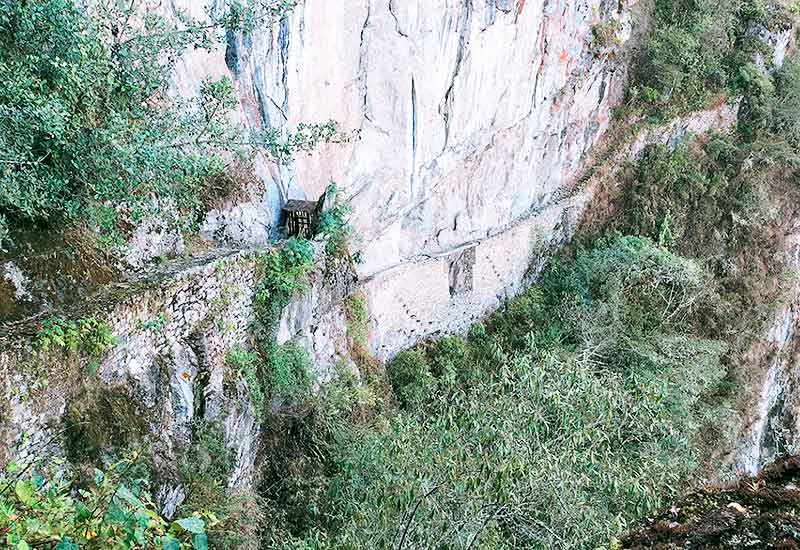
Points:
[(101, 421)]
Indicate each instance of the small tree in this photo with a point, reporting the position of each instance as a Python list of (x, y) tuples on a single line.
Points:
[(88, 129)]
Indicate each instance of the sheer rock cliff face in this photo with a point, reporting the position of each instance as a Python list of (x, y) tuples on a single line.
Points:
[(772, 426), (470, 120), (472, 123), (475, 125)]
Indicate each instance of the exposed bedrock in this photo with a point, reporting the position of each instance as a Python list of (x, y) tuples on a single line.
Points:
[(471, 122)]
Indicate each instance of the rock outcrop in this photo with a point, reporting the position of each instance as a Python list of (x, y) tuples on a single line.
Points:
[(470, 122), (168, 364)]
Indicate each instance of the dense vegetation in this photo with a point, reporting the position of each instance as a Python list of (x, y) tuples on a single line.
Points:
[(698, 48), (88, 129), (581, 406), (110, 510), (592, 397), (572, 411), (726, 199)]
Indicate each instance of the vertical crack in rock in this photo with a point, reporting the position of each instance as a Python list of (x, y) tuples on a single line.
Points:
[(283, 45), (545, 46), (490, 12), (362, 70), (396, 21), (777, 437), (602, 92), (196, 343), (447, 104), (413, 132), (261, 97)]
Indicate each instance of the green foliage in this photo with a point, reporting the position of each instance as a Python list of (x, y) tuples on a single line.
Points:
[(287, 370), (577, 408), (89, 336), (690, 190), (786, 110), (283, 273), (282, 145), (86, 127), (79, 123), (410, 377), (245, 16), (114, 511), (101, 422), (233, 517), (683, 58), (246, 363), (604, 36), (770, 117), (625, 289), (209, 461), (357, 319), (282, 370), (697, 48), (155, 324), (333, 224), (723, 200), (5, 233)]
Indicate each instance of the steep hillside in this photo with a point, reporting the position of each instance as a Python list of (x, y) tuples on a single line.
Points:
[(548, 283)]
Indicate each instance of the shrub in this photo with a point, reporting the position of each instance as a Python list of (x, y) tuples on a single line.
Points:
[(283, 273), (697, 48), (5, 233), (683, 58), (287, 370), (114, 511), (333, 224), (89, 336), (690, 196), (357, 319), (246, 364), (410, 377), (555, 441), (787, 104), (769, 122), (625, 289), (206, 471), (604, 36), (449, 360), (722, 200), (101, 422), (770, 117)]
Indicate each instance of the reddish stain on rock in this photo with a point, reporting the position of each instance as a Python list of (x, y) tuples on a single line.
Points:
[(520, 6)]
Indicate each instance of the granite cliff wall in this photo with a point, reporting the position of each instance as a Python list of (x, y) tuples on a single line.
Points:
[(471, 122)]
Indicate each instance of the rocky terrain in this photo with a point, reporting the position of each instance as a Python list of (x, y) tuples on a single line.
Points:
[(757, 512), (476, 142)]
